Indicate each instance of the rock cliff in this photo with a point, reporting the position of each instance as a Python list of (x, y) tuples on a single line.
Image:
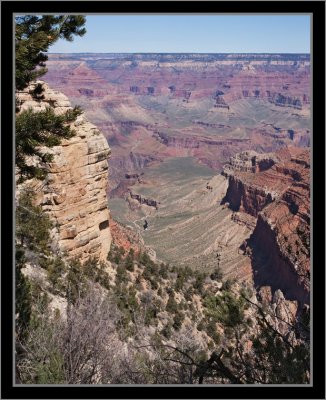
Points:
[(74, 192), (280, 199), (143, 200), (252, 182)]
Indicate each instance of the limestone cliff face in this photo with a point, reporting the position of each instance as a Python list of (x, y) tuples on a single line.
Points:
[(282, 234), (247, 198), (280, 199), (74, 192), (248, 188)]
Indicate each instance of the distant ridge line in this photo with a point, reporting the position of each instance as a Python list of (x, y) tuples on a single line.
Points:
[(188, 56)]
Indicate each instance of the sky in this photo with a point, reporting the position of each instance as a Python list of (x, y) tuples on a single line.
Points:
[(191, 33)]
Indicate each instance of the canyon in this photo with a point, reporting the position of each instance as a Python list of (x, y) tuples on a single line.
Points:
[(212, 151), (210, 107)]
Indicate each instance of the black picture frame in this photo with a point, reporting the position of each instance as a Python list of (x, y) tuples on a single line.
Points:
[(317, 389)]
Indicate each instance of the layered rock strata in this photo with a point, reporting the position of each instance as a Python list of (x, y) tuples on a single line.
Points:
[(144, 200), (74, 192), (280, 199)]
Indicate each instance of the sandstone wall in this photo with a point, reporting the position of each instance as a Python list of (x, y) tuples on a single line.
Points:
[(279, 197), (74, 192), (276, 265), (245, 197)]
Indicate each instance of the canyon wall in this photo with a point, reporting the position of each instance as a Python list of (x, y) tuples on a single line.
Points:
[(207, 106), (282, 79), (74, 191), (279, 197)]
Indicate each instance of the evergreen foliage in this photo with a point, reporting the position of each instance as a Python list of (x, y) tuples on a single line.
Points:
[(34, 35), (32, 225), (225, 308), (76, 286), (172, 305), (35, 129), (23, 296)]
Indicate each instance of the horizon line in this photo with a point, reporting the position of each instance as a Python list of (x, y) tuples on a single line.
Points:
[(172, 52)]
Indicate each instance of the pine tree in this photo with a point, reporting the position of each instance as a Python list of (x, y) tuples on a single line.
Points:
[(35, 129), (33, 36), (23, 296), (32, 225)]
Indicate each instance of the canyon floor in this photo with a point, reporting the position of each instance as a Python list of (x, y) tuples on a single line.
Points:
[(189, 226)]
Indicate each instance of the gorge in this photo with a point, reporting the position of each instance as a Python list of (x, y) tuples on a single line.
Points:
[(162, 205), (174, 122)]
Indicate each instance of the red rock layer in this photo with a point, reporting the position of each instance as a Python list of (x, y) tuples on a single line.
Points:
[(126, 238), (280, 243)]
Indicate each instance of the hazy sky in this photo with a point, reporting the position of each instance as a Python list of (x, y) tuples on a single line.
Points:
[(192, 33)]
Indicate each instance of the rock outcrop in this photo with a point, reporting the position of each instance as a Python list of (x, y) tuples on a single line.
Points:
[(280, 199), (248, 188), (282, 234), (143, 200), (74, 192), (194, 142), (249, 161), (126, 238)]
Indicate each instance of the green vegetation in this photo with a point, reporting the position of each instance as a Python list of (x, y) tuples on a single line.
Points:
[(23, 296), (225, 308), (32, 225), (33, 36), (172, 305), (35, 129), (139, 312), (56, 271), (157, 316)]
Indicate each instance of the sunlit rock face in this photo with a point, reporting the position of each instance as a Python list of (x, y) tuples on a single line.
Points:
[(279, 197), (74, 192)]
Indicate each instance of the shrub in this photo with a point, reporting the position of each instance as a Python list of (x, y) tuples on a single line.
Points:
[(151, 315), (55, 271), (121, 275), (227, 285), (199, 283), (188, 294), (172, 305), (167, 330), (178, 319), (90, 268), (23, 296), (129, 264), (154, 284), (163, 271), (217, 275), (32, 225), (201, 325), (226, 308), (179, 282), (145, 259), (76, 283), (116, 254), (211, 331), (103, 277)]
